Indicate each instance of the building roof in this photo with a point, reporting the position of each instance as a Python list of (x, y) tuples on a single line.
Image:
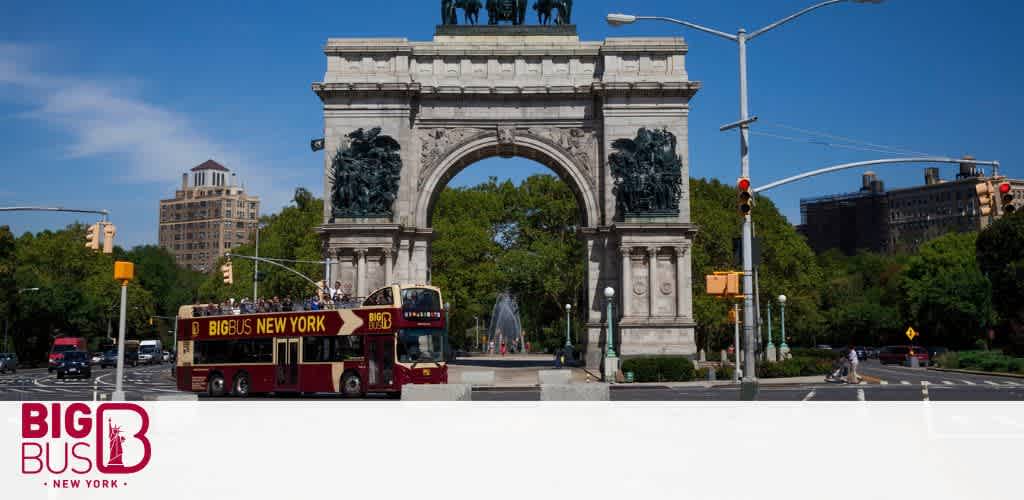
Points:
[(210, 165)]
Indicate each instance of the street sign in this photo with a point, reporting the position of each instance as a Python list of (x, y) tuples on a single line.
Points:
[(911, 333)]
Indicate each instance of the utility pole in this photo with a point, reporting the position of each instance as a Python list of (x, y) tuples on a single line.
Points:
[(123, 272), (256, 268)]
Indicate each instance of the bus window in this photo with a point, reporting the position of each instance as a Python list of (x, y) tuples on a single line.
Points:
[(420, 345), (421, 300), (381, 297), (328, 349)]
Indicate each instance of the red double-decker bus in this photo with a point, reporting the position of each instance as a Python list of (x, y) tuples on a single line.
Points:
[(396, 336)]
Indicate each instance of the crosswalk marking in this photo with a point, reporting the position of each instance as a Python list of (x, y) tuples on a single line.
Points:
[(860, 395), (968, 382), (809, 396), (989, 382), (19, 390), (924, 390), (904, 382), (883, 382), (947, 382)]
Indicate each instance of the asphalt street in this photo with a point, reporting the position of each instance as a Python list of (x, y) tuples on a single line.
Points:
[(887, 383)]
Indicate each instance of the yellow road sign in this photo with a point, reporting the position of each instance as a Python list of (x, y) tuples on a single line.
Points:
[(911, 333)]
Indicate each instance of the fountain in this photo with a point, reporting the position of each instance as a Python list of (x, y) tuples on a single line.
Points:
[(505, 326)]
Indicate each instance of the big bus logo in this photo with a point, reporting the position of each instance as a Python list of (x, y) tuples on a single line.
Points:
[(379, 321), (79, 439)]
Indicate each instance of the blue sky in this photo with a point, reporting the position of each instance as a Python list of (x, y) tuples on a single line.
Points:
[(105, 104)]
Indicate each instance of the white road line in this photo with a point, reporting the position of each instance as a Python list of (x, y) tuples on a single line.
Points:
[(43, 390), (989, 382), (904, 382), (64, 390), (860, 395), (19, 390), (883, 382), (968, 382), (947, 382), (1011, 383), (924, 390), (809, 395)]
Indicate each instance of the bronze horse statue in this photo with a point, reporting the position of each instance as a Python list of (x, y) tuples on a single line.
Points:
[(470, 9), (506, 10), (545, 7)]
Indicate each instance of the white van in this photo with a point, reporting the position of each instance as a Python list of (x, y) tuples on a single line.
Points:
[(151, 352)]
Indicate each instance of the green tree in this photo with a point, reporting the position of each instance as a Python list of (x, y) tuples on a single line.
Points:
[(787, 264), (291, 235), (1000, 254), (8, 287), (860, 298), (946, 296)]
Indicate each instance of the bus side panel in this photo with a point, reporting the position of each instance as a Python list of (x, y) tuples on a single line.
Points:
[(318, 378), (184, 378), (422, 374)]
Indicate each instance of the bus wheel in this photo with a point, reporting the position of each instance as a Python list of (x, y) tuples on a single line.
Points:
[(351, 385), (215, 386), (241, 388)]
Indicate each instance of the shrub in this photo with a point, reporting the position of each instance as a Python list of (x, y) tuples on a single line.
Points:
[(989, 361), (803, 352), (948, 360), (660, 368), (722, 373)]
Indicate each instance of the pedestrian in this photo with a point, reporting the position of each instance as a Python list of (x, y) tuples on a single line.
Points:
[(853, 377), (503, 348)]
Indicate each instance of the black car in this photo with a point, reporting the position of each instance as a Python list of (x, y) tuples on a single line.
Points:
[(74, 364), (862, 353), (131, 358)]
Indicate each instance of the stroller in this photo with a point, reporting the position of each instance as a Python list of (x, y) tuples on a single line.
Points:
[(840, 370)]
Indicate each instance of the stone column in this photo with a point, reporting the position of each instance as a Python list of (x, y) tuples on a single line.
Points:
[(360, 258), (680, 280), (627, 282), (387, 266), (652, 280), (402, 261)]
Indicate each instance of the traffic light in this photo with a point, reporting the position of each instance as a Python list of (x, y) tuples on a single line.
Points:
[(984, 190), (109, 230), (92, 237), (744, 198), (228, 272), (1006, 195)]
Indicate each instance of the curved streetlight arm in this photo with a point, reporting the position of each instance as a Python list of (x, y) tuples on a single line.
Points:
[(282, 266), (789, 18), (844, 166), (697, 27)]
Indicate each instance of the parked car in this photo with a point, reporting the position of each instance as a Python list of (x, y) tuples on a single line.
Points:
[(862, 352), (872, 353), (899, 354), (96, 358), (151, 352), (8, 362), (131, 358), (167, 357), (74, 364)]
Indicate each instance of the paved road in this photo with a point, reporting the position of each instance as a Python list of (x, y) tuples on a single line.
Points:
[(37, 384), (896, 384)]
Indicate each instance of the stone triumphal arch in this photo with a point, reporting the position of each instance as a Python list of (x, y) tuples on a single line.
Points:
[(609, 117)]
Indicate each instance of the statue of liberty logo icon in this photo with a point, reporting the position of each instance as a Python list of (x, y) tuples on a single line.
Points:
[(114, 451)]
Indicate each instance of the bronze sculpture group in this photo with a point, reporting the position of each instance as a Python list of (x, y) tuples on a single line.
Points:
[(647, 173), (513, 11), (365, 174)]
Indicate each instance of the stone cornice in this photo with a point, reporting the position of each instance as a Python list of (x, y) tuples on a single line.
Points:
[(685, 89)]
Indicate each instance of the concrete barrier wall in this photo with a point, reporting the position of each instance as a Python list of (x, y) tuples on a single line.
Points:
[(479, 377), (575, 392), (180, 396), (553, 377), (439, 392)]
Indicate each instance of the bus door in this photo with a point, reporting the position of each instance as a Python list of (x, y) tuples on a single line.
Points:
[(287, 359), (381, 357)]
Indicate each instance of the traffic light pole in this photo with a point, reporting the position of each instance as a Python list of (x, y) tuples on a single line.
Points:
[(883, 161), (118, 384), (278, 264)]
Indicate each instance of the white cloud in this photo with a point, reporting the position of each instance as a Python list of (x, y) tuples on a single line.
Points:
[(143, 141)]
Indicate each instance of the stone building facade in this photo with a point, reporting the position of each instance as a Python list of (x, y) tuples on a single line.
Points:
[(540, 93), (208, 216)]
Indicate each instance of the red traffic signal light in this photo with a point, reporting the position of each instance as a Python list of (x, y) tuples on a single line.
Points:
[(1006, 195), (745, 198)]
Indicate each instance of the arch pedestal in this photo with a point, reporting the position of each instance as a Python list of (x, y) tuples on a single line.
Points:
[(542, 95)]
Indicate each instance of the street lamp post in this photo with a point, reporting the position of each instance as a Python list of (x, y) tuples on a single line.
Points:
[(741, 38), (770, 348), (444, 340), (611, 362), (476, 323), (256, 267), (568, 343), (783, 348)]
